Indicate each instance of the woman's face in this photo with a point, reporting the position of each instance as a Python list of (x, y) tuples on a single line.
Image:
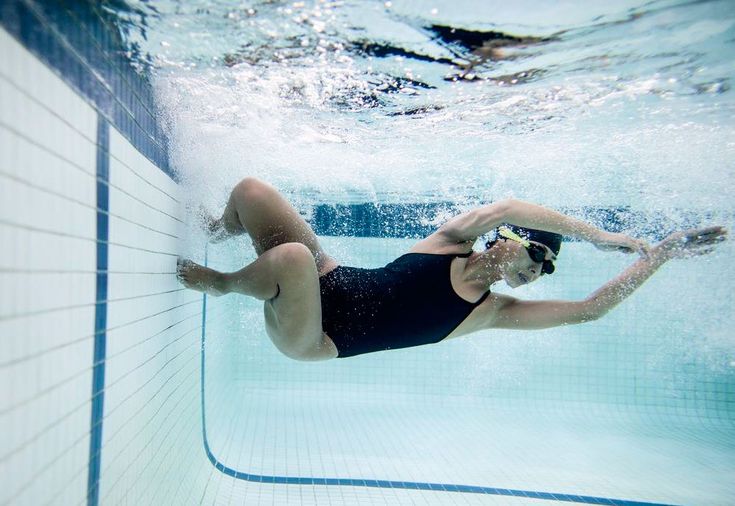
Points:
[(521, 270)]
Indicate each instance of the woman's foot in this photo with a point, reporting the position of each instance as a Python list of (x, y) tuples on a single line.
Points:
[(200, 278)]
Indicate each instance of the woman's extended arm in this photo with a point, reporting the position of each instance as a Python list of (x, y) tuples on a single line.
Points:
[(518, 314), (480, 221)]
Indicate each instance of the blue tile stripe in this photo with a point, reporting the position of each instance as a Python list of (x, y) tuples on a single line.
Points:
[(415, 220), (81, 45), (352, 482), (100, 312)]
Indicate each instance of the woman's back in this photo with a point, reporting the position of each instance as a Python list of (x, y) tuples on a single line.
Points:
[(408, 302)]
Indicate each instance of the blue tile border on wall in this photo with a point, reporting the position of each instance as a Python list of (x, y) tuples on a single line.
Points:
[(74, 39), (100, 312), (415, 220)]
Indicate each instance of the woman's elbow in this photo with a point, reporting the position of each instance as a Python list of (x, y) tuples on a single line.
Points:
[(495, 214), (504, 208)]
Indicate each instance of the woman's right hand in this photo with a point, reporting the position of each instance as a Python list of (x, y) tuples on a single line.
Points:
[(693, 242), (609, 241)]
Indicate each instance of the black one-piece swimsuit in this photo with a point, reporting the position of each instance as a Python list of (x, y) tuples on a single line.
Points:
[(409, 302)]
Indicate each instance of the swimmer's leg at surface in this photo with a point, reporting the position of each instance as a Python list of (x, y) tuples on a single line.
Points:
[(286, 279)]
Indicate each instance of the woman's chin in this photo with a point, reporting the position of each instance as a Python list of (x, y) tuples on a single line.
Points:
[(516, 280), (513, 283)]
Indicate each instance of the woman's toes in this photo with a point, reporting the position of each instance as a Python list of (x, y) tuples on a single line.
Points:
[(181, 266), (197, 277), (184, 269)]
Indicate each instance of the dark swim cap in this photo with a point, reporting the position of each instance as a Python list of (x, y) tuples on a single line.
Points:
[(548, 239)]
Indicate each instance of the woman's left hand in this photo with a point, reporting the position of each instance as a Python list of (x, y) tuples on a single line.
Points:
[(688, 243), (609, 241)]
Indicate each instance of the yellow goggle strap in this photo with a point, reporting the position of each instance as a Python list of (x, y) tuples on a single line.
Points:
[(509, 234)]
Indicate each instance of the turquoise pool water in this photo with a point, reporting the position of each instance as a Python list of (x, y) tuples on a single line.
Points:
[(619, 409), (378, 121), (619, 114)]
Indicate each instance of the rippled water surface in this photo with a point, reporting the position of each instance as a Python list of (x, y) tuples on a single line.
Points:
[(568, 104)]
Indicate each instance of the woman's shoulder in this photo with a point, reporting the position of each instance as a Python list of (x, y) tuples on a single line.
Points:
[(438, 246)]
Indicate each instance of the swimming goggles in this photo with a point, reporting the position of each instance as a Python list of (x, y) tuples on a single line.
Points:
[(536, 252)]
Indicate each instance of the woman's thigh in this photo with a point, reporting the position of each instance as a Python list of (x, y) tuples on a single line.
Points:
[(294, 317), (271, 220)]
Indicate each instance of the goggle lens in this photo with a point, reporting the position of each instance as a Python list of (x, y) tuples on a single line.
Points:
[(538, 254)]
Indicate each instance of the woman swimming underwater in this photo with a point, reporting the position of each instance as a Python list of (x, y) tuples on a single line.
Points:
[(316, 309)]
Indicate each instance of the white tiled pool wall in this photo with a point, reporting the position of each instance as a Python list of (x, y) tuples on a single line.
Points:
[(77, 335), (52, 144)]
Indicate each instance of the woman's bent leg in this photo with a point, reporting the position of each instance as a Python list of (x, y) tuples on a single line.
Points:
[(285, 277), (258, 209)]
